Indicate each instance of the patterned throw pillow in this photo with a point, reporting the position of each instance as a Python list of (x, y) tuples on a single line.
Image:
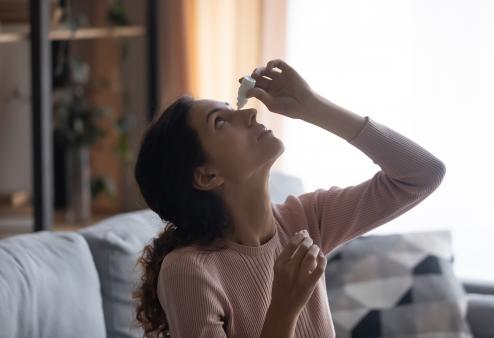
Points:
[(399, 286)]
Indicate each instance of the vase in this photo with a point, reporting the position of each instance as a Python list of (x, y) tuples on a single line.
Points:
[(78, 185)]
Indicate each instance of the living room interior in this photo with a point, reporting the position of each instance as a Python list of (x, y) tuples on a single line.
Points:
[(81, 81)]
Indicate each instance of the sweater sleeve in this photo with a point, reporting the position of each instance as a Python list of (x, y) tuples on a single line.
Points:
[(409, 173), (191, 299)]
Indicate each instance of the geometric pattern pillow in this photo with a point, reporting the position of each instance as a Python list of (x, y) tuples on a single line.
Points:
[(396, 286)]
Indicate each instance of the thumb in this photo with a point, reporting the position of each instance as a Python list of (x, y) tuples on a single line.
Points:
[(261, 95)]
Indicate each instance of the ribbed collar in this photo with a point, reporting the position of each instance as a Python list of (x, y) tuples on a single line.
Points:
[(260, 250)]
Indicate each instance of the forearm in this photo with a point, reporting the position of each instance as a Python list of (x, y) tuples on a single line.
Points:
[(278, 325), (333, 118)]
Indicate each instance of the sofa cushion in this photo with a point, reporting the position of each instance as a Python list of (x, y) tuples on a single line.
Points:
[(481, 315), (49, 287), (396, 286), (116, 244)]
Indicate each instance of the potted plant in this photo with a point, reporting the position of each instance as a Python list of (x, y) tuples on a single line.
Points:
[(75, 130)]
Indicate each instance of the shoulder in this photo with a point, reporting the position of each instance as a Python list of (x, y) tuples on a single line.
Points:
[(292, 214), (301, 212), (191, 261), (182, 257), (183, 276), (296, 205), (181, 270), (292, 205)]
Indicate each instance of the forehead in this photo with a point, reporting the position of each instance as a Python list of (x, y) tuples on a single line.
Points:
[(200, 110)]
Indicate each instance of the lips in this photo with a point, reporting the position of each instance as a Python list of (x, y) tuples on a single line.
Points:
[(264, 133), (261, 131)]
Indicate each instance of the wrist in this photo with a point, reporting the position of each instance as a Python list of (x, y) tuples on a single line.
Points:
[(278, 324), (282, 312), (308, 104), (311, 105), (340, 121)]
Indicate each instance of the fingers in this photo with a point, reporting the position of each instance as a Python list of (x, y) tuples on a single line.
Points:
[(260, 94), (291, 247), (278, 63), (309, 262), (263, 82), (302, 249), (263, 72), (320, 268), (271, 73), (273, 70)]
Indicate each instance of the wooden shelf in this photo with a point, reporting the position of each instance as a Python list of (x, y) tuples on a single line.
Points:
[(96, 33), (38, 33), (62, 34), (6, 37)]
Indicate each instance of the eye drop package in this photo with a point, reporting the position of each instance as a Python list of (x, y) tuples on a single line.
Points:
[(247, 83)]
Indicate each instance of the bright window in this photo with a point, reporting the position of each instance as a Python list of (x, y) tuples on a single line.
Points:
[(424, 69)]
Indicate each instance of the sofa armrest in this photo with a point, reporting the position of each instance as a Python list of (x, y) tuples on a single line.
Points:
[(478, 287), (480, 315)]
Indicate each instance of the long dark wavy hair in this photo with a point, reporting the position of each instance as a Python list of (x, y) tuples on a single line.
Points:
[(169, 153)]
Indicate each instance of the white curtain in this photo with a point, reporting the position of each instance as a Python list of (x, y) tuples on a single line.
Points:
[(423, 68)]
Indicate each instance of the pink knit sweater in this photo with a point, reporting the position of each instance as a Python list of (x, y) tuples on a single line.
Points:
[(226, 293)]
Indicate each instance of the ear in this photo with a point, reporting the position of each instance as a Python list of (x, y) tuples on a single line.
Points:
[(205, 179)]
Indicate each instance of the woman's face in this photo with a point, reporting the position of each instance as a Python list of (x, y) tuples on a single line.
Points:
[(234, 142)]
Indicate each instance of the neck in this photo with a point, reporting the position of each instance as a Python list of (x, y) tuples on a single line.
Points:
[(249, 206)]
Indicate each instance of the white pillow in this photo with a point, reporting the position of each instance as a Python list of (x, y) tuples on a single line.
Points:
[(49, 287)]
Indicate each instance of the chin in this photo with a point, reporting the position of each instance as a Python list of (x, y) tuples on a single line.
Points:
[(275, 151), (281, 146)]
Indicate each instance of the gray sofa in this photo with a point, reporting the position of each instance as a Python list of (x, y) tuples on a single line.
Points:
[(78, 284)]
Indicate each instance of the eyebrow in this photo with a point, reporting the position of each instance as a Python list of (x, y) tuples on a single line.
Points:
[(214, 111)]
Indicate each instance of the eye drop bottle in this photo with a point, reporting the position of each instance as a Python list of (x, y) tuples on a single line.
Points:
[(247, 83)]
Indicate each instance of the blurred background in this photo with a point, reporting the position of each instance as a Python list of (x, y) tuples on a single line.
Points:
[(423, 68)]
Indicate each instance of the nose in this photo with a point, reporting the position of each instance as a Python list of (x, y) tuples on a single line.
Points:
[(250, 115)]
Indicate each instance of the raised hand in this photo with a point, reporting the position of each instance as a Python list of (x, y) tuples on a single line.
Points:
[(281, 89), (296, 272)]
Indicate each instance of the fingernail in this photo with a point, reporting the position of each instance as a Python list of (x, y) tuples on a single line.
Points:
[(307, 242), (296, 238), (315, 249)]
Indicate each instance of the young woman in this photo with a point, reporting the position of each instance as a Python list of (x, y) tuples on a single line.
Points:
[(230, 263)]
